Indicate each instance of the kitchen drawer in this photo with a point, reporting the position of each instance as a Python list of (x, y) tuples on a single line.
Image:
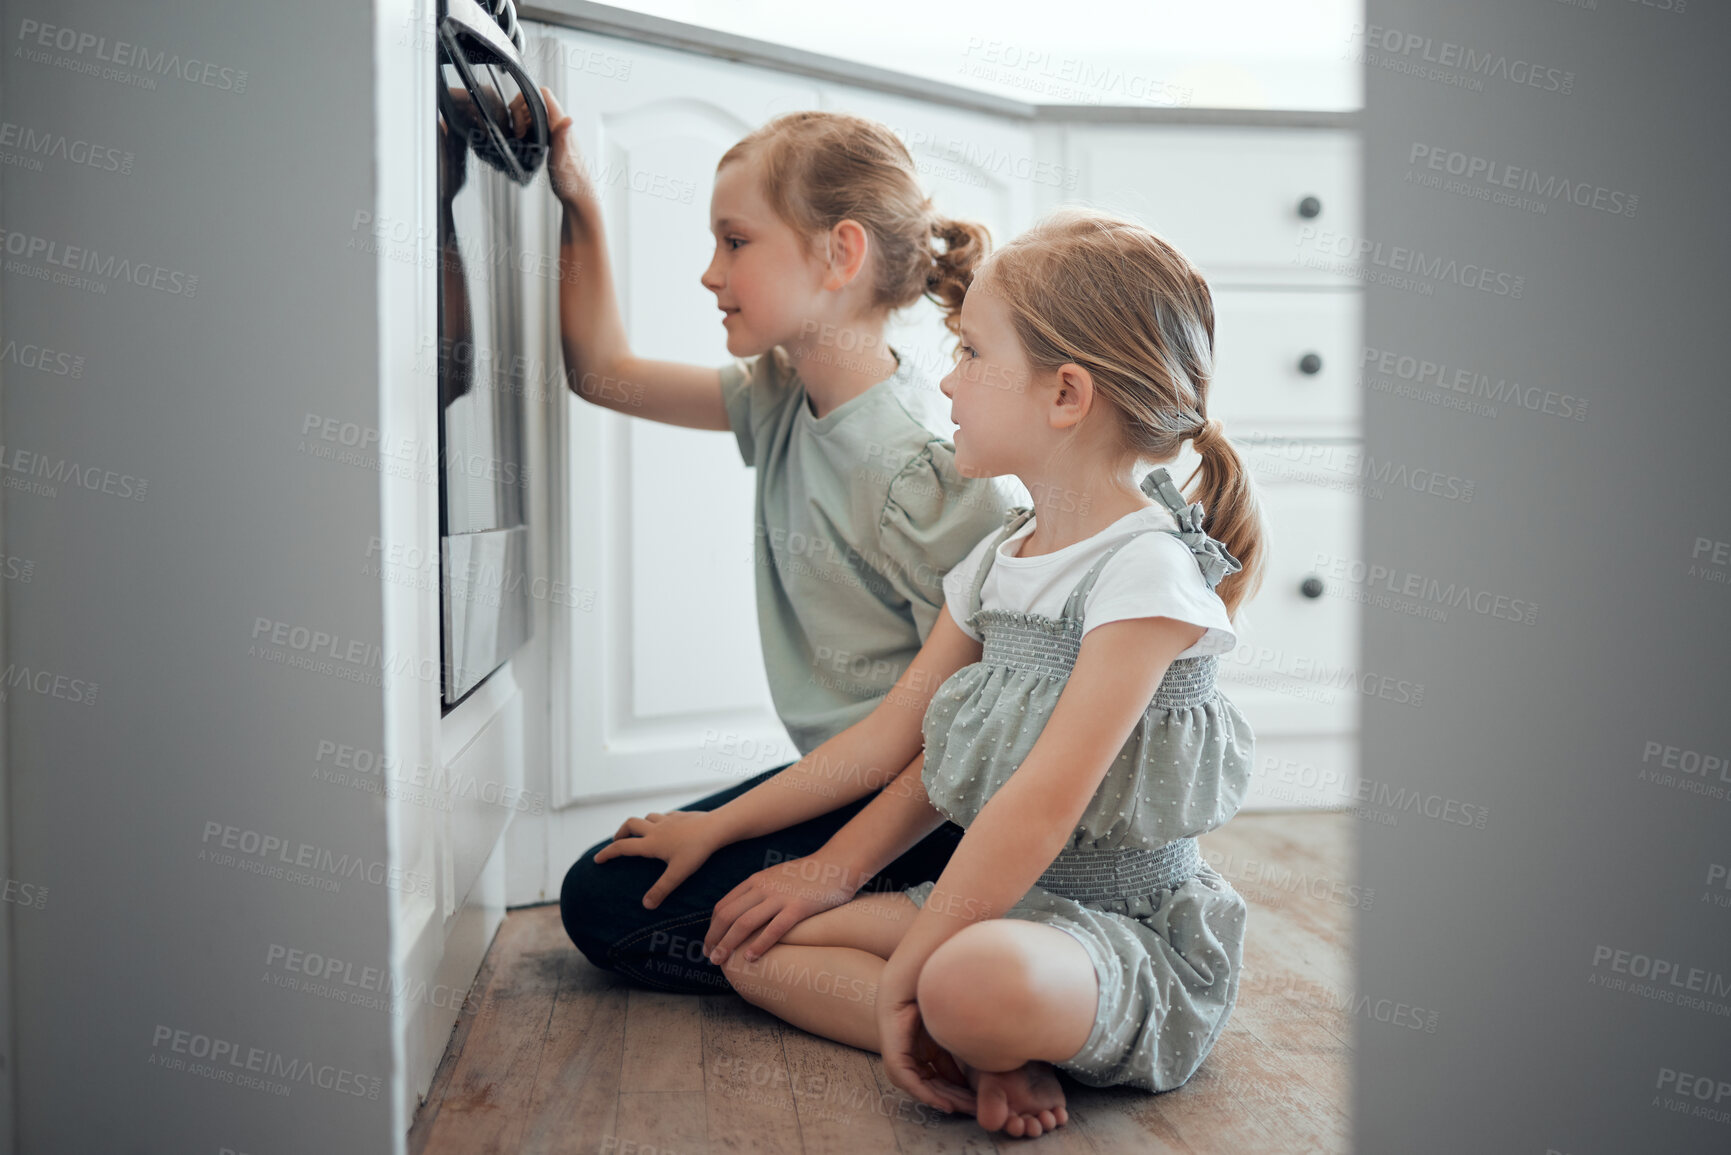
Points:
[(1301, 649), (1287, 362), (1231, 198)]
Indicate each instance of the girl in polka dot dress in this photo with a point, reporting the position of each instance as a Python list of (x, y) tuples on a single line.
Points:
[(1067, 705)]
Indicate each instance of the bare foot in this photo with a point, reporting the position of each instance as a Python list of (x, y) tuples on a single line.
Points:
[(1024, 1103)]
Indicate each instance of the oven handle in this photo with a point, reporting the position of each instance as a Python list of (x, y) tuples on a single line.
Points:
[(469, 35)]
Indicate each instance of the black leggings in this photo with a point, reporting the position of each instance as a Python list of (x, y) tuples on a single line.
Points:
[(602, 906)]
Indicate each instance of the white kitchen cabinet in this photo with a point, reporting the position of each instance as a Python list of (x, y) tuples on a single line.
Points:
[(656, 654), (1237, 200)]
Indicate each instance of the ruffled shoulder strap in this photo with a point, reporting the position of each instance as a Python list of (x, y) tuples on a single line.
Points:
[(1211, 555), (1014, 519)]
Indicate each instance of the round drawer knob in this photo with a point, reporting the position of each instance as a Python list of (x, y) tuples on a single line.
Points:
[(1311, 587), (1310, 364), (1309, 207)]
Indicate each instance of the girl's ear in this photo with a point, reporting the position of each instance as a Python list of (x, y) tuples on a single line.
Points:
[(848, 244), (1072, 397)]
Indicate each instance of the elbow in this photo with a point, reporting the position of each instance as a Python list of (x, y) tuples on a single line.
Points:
[(574, 380), (586, 377)]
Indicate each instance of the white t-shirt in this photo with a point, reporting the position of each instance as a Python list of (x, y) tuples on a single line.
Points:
[(1154, 576)]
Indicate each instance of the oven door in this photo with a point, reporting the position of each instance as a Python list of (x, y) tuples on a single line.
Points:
[(487, 152)]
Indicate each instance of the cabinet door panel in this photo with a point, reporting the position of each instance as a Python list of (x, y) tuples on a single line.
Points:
[(658, 650)]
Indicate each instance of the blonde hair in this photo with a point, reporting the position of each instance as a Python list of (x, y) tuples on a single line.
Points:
[(820, 168), (1100, 291)]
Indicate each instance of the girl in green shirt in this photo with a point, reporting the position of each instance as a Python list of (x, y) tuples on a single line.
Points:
[(821, 233)]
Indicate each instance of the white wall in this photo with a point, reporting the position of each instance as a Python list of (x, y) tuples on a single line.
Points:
[(155, 599)]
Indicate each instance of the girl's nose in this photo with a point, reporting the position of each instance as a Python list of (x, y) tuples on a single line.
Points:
[(945, 386)]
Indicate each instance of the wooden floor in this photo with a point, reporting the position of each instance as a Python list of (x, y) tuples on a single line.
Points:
[(561, 1057)]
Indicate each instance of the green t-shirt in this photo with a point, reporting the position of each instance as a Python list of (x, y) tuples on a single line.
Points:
[(860, 513)]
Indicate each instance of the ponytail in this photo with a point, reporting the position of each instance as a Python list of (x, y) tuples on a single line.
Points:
[(1231, 513), (966, 244)]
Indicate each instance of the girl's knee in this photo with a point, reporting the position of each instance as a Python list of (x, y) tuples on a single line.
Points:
[(577, 900), (1008, 991), (978, 985)]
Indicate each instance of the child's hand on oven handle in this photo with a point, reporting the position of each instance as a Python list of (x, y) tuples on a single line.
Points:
[(684, 839), (564, 165)]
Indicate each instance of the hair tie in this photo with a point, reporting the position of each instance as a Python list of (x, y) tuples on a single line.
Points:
[(1209, 433)]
